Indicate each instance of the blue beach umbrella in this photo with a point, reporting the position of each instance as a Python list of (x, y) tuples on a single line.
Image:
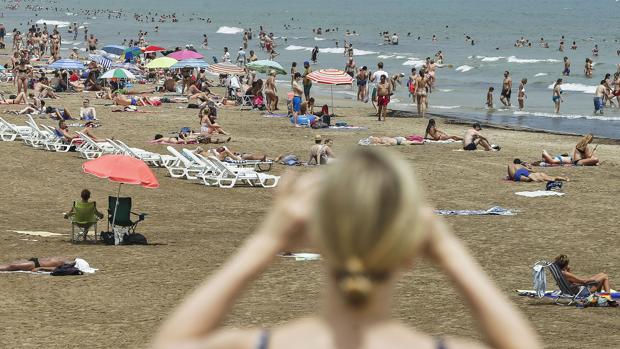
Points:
[(114, 49), (190, 63), (67, 64)]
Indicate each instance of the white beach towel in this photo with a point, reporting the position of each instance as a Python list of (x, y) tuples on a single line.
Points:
[(27, 272), (36, 233), (440, 142), (539, 193), (84, 266), (303, 256)]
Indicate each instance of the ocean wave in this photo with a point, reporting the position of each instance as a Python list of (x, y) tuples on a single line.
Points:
[(385, 56), (414, 62), (340, 50), (318, 39), (444, 106), (568, 116), (229, 30), (444, 90), (490, 59), (464, 68), (400, 57), (513, 59), (541, 74), (60, 24), (576, 88)]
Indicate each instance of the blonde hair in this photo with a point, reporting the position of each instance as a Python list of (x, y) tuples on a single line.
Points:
[(368, 220), (583, 143)]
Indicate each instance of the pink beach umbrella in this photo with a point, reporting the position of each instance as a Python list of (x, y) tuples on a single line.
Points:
[(185, 54), (331, 77)]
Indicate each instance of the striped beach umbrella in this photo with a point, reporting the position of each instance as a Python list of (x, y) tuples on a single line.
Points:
[(331, 77), (190, 63), (67, 64), (118, 73), (266, 66), (161, 63), (225, 68), (106, 63)]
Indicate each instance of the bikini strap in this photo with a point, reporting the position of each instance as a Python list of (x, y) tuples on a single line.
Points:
[(263, 340)]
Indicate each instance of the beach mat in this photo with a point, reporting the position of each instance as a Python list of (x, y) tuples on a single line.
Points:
[(554, 294), (493, 211), (345, 128), (274, 115), (447, 141), (539, 193), (302, 256)]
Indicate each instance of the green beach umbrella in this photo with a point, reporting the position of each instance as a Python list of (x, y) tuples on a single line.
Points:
[(118, 73), (161, 63), (266, 66)]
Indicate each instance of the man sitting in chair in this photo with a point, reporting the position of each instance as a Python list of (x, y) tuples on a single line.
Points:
[(84, 214)]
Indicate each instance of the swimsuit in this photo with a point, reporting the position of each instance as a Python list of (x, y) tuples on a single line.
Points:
[(134, 101), (560, 159), (383, 101), (361, 82), (399, 140), (598, 103), (555, 98), (521, 172), (297, 103), (506, 93), (470, 146), (35, 261)]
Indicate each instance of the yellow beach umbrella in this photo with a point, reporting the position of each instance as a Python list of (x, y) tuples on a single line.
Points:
[(161, 63)]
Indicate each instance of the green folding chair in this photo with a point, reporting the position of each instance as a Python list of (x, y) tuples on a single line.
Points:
[(123, 214), (83, 217)]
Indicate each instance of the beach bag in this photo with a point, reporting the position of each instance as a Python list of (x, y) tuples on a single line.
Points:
[(326, 119), (66, 270), (107, 237), (290, 160), (134, 239)]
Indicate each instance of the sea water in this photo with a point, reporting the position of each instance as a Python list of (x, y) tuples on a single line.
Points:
[(462, 83)]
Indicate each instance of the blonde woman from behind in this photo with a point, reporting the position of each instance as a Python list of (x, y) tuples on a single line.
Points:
[(365, 214)]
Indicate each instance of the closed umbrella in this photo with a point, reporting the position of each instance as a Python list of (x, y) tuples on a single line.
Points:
[(118, 73), (331, 77), (161, 63), (266, 66), (185, 54), (225, 68), (190, 63), (114, 49), (121, 169)]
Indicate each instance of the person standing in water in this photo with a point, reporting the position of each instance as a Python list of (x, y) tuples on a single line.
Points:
[(566, 71), (521, 96), (421, 85), (506, 89), (490, 97), (557, 95)]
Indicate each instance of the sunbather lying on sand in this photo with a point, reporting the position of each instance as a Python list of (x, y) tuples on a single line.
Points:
[(432, 132), (122, 100), (20, 98), (225, 154), (520, 172), (597, 282), (388, 141), (38, 264)]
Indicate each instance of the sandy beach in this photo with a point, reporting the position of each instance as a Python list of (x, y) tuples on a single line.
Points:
[(194, 229)]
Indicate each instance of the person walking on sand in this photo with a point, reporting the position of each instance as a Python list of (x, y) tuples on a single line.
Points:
[(506, 89), (566, 71), (306, 82), (297, 94), (384, 91), (376, 78), (521, 96), (557, 95), (362, 81)]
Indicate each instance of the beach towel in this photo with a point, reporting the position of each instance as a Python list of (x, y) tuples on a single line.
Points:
[(37, 233), (302, 256), (156, 141), (539, 193), (447, 141), (27, 272), (554, 294), (274, 115), (348, 127), (415, 138), (544, 164), (493, 211)]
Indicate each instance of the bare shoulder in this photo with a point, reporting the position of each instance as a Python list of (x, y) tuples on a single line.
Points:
[(229, 338)]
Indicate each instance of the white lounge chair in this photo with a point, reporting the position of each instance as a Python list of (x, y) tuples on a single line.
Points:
[(10, 132), (90, 149), (228, 176), (39, 135), (150, 158), (184, 167)]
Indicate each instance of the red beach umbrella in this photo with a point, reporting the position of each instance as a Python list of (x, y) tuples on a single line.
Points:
[(153, 48), (185, 54), (122, 170)]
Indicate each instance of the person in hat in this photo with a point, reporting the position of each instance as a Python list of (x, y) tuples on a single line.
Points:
[(473, 138), (321, 152)]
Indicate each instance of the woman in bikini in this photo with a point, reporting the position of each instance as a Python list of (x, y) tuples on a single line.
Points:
[(383, 227), (22, 72), (38, 264), (208, 126), (582, 154), (421, 84), (432, 132), (19, 99), (521, 96)]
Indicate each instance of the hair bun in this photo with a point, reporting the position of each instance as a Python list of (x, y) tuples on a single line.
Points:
[(355, 283)]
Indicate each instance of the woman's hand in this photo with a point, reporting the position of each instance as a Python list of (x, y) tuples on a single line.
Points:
[(287, 221)]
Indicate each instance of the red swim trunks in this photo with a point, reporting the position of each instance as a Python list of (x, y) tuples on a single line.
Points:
[(383, 100)]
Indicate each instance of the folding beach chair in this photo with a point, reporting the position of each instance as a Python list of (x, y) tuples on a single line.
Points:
[(567, 291), (121, 220), (83, 217)]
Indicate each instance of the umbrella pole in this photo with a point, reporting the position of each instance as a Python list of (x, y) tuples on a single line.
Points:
[(116, 208), (333, 111)]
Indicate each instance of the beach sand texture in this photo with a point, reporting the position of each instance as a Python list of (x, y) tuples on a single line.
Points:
[(196, 228)]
